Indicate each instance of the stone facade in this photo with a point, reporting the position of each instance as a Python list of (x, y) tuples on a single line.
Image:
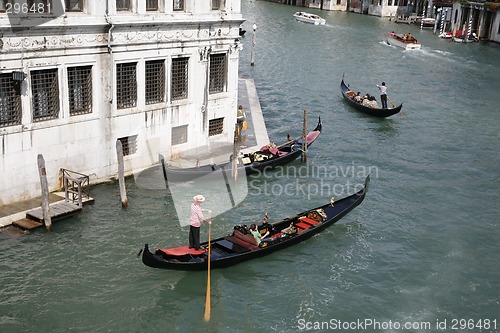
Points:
[(161, 76)]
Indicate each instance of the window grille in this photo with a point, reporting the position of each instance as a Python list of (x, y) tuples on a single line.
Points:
[(178, 5), (126, 85), (122, 5), (215, 126), (3, 5), (216, 4), (179, 88), (129, 145), (80, 90), (10, 101), (45, 94), (152, 5), (217, 73), (73, 5), (155, 81), (179, 135)]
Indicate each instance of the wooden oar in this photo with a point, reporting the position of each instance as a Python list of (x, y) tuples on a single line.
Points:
[(394, 105), (207, 299)]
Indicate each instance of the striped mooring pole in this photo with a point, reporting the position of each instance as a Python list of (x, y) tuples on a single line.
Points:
[(443, 17), (422, 20), (469, 28)]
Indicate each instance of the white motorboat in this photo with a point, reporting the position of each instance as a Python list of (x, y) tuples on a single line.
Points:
[(406, 41), (309, 18)]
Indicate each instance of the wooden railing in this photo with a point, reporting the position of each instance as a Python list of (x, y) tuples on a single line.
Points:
[(75, 185)]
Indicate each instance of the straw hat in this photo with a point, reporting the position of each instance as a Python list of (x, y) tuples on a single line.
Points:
[(199, 198)]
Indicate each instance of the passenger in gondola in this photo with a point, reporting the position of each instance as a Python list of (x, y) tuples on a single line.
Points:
[(256, 234), (409, 37), (358, 97)]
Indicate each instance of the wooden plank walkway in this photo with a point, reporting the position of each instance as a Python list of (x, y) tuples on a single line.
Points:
[(58, 210)]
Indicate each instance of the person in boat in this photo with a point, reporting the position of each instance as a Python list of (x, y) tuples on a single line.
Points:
[(196, 218), (392, 34), (358, 97), (370, 101), (409, 37), (383, 95), (256, 234)]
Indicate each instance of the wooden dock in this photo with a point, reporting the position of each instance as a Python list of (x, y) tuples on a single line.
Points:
[(58, 210)]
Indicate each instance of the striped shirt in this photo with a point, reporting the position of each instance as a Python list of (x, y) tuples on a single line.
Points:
[(196, 215)]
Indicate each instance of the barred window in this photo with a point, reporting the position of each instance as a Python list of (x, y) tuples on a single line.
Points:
[(179, 88), (155, 81), (216, 4), (215, 126), (126, 85), (217, 73), (129, 145), (152, 5), (122, 5), (45, 94), (178, 5), (73, 5), (179, 135), (80, 90), (3, 5), (10, 101)]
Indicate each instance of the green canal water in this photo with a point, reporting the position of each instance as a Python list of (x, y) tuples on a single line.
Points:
[(420, 254)]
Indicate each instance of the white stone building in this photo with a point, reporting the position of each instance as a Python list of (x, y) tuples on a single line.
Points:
[(161, 76)]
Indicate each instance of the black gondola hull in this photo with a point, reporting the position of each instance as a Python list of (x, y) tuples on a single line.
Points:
[(376, 112), (333, 212)]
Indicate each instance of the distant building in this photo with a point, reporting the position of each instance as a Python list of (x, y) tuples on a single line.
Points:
[(161, 76)]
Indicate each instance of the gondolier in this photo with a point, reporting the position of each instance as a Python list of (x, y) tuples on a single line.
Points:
[(383, 95), (195, 221)]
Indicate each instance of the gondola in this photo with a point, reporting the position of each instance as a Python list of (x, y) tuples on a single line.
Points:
[(377, 112), (268, 157), (239, 246)]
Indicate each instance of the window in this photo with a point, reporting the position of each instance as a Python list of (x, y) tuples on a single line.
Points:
[(155, 81), (73, 5), (215, 126), (126, 85), (45, 94), (3, 5), (80, 90), (216, 4), (179, 88), (152, 5), (178, 5), (129, 145), (10, 101), (179, 135), (339, 2), (217, 73), (122, 5)]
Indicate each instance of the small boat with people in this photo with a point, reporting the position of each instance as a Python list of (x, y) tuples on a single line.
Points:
[(471, 38), (267, 157), (366, 103), (241, 245), (406, 41), (309, 18)]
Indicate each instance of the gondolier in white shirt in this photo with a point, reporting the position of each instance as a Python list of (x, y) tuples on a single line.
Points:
[(196, 218), (383, 95)]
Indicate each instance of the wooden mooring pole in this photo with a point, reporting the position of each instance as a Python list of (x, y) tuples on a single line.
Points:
[(304, 138), (45, 192), (121, 175), (235, 155)]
